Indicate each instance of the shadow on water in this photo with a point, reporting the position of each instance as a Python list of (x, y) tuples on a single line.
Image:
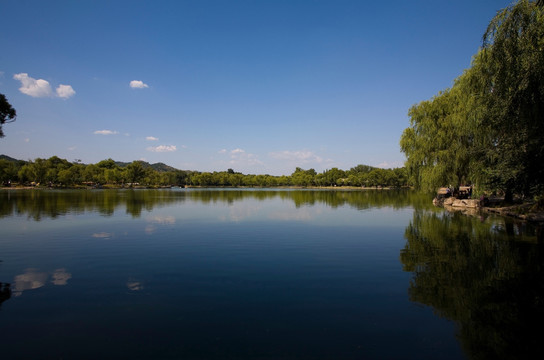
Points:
[(5, 292), (37, 204), (485, 274)]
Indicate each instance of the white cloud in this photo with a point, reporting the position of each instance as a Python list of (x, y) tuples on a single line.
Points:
[(105, 132), (151, 138), (42, 88), (27, 140), (240, 157), (390, 165), (65, 91), (162, 148), (222, 151), (302, 156), (138, 84), (33, 87)]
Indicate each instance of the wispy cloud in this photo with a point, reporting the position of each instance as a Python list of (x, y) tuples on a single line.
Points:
[(302, 156), (237, 151), (390, 165), (151, 138), (138, 84), (162, 148), (239, 157), (105, 132), (42, 88)]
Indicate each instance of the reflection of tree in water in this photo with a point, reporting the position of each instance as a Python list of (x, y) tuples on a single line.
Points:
[(474, 273), (360, 199), (5, 292), (37, 204)]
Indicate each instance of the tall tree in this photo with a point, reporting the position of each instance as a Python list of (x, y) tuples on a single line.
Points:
[(439, 143), (488, 128), (7, 113), (513, 91)]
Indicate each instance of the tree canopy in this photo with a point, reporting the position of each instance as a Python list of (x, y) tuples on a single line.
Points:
[(487, 129), (7, 113)]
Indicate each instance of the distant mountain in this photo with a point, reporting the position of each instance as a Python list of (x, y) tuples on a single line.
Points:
[(160, 167), (9, 158)]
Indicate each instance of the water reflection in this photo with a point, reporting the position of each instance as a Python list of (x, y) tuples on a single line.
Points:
[(5, 292), (102, 235), (134, 285), (284, 266), (33, 279), (470, 270), (38, 204)]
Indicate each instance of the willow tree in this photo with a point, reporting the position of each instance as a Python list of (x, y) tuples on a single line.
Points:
[(439, 144), (513, 77), (488, 129)]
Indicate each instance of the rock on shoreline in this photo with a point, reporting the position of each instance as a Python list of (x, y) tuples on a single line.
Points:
[(522, 211)]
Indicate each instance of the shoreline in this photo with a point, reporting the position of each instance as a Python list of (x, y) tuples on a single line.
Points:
[(526, 211), (116, 187)]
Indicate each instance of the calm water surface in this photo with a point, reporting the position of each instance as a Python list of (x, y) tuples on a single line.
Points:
[(269, 274)]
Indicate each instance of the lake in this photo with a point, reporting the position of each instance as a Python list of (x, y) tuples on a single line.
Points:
[(263, 274)]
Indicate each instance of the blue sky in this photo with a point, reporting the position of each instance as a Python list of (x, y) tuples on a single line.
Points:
[(258, 86)]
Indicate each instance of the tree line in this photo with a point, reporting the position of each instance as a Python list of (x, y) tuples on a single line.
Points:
[(359, 176), (488, 128), (62, 173)]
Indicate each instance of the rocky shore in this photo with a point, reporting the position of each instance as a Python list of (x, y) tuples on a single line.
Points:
[(528, 211)]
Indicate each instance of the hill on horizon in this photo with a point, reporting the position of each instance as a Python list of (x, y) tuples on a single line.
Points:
[(160, 167)]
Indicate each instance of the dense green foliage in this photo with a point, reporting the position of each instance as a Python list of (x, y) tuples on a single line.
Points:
[(60, 172), (7, 113), (371, 177), (488, 128)]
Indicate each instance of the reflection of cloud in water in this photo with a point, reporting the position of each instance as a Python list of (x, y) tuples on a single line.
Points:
[(30, 280), (150, 229), (302, 214), (240, 211), (163, 220), (158, 220), (134, 285), (102, 235), (33, 279), (61, 277)]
